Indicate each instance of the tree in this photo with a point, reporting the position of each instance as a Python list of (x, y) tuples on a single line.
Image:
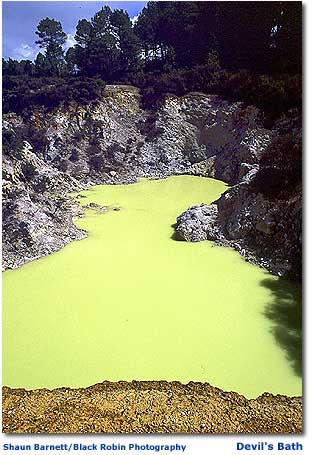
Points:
[(83, 33), (71, 58), (127, 42), (96, 50), (244, 34), (40, 64), (261, 37), (51, 39), (103, 49), (178, 33), (151, 29), (107, 45), (287, 37)]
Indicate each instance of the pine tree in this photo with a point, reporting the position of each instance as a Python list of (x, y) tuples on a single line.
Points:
[(127, 42), (51, 39)]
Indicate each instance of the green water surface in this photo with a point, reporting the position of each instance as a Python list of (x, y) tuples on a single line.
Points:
[(130, 302)]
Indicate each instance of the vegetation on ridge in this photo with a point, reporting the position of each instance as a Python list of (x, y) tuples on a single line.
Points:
[(248, 51)]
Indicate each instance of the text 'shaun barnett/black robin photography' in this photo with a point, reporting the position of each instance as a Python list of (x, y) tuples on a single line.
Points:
[(152, 206)]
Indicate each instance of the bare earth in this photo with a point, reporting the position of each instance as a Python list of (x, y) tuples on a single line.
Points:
[(147, 407)]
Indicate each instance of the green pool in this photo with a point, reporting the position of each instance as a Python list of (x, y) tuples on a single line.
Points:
[(129, 302)]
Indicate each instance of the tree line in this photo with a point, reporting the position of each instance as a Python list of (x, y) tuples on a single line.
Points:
[(257, 36)]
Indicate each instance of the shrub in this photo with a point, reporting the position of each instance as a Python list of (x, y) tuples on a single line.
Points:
[(12, 142), (42, 184), (280, 171), (36, 137), (29, 171), (96, 162), (274, 94), (22, 94), (63, 165), (74, 155)]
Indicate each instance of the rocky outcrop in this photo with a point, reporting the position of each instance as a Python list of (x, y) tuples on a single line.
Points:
[(113, 140), (261, 215), (198, 223), (147, 407), (266, 232), (37, 213)]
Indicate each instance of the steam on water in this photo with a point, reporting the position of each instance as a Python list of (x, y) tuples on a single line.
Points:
[(130, 302)]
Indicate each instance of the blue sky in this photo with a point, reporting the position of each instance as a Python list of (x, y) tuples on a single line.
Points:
[(20, 20)]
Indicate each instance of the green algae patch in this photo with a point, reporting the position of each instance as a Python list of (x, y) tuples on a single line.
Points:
[(129, 302)]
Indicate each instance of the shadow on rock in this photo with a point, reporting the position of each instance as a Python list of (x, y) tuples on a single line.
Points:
[(175, 235), (285, 311)]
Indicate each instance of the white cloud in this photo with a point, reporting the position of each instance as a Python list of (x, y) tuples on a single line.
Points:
[(25, 52), (134, 19), (70, 41)]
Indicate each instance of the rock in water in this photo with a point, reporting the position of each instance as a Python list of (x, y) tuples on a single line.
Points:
[(198, 223)]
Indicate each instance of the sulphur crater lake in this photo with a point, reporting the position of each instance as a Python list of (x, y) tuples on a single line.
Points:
[(130, 302)]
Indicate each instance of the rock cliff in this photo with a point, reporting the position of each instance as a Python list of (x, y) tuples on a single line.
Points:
[(50, 153), (37, 213), (261, 216)]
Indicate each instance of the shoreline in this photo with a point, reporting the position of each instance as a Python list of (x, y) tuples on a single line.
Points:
[(147, 407)]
